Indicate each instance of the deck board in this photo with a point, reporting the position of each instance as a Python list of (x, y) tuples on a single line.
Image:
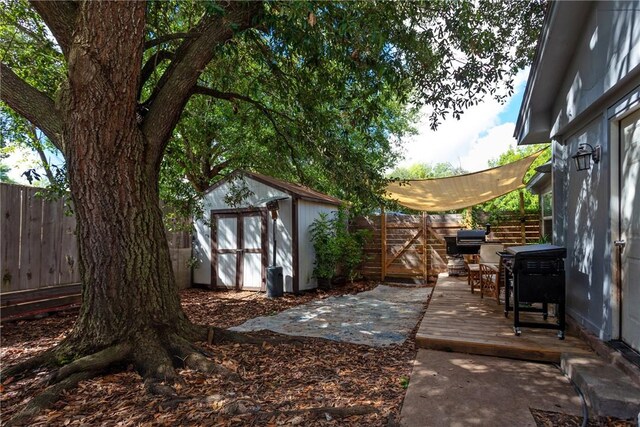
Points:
[(459, 321)]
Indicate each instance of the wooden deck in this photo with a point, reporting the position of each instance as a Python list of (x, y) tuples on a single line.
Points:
[(459, 321)]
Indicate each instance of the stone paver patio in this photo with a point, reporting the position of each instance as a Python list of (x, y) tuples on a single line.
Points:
[(379, 317)]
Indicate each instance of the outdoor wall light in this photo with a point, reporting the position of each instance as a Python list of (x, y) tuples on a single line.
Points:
[(273, 207), (584, 155)]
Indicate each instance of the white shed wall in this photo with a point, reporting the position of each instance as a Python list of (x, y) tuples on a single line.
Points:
[(307, 213), (214, 200)]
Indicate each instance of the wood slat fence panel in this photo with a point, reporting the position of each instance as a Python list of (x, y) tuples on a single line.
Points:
[(38, 243), (408, 251)]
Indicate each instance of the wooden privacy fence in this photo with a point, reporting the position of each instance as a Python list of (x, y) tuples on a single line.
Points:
[(413, 246), (39, 252)]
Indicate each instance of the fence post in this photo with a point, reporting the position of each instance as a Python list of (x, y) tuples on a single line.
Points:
[(425, 248), (383, 243), (523, 230)]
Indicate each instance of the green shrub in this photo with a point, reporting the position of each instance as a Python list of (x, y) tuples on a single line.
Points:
[(336, 247), (323, 237)]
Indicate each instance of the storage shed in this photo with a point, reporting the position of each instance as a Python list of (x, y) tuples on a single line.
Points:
[(233, 242)]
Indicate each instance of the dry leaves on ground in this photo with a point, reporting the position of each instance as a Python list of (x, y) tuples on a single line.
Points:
[(282, 385)]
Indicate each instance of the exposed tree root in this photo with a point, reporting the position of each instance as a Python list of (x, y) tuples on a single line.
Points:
[(201, 363), (22, 369), (94, 362), (155, 356), (48, 397), (199, 360)]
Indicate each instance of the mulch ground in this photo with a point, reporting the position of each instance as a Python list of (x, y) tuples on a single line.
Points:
[(280, 383)]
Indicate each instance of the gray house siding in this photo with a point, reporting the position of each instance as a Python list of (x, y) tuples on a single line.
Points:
[(583, 229), (570, 101)]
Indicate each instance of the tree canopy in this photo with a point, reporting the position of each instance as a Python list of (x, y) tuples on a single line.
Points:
[(426, 170), (316, 92)]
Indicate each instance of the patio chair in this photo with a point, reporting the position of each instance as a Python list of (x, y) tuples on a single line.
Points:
[(490, 270), (487, 262), (473, 273)]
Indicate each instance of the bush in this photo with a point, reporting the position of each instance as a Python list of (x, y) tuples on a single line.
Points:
[(323, 237), (336, 247)]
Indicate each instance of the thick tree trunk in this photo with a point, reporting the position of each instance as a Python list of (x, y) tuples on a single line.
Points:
[(129, 292)]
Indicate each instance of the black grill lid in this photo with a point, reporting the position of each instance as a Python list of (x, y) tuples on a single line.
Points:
[(543, 250), (473, 237)]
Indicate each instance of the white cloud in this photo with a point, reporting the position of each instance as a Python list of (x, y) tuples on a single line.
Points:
[(481, 134)]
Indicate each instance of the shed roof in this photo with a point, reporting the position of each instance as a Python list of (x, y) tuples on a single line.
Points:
[(295, 190)]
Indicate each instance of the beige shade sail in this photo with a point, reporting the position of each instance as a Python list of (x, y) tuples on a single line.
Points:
[(460, 191)]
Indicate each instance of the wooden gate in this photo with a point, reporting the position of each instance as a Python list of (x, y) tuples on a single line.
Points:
[(413, 246), (404, 253)]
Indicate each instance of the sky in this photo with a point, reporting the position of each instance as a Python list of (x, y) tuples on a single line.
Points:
[(483, 132)]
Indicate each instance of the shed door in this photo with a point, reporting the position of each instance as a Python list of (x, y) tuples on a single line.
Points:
[(239, 250), (630, 228)]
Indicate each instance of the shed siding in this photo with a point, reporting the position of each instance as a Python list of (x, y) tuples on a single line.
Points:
[(215, 200), (307, 213)]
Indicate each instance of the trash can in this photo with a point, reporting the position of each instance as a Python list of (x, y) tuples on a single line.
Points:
[(275, 282)]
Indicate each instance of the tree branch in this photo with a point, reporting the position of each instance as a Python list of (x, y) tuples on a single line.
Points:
[(151, 65), (60, 17), (268, 113), (167, 38), (230, 96), (32, 104), (174, 88), (37, 144)]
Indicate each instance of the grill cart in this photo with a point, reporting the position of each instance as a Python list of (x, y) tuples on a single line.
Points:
[(465, 242), (535, 274)]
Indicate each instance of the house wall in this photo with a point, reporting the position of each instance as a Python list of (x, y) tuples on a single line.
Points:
[(605, 58), (307, 213), (604, 69), (584, 230), (215, 200)]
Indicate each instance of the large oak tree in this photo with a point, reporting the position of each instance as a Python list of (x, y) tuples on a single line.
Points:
[(121, 76)]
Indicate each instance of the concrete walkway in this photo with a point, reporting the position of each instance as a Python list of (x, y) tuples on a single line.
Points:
[(382, 316), (454, 389), (464, 385)]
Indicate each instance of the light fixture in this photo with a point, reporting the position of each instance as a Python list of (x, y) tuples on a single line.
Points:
[(273, 207), (584, 155)]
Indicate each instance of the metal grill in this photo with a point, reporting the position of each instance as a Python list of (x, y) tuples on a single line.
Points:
[(535, 274)]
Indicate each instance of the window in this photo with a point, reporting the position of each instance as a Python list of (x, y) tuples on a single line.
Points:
[(546, 206)]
